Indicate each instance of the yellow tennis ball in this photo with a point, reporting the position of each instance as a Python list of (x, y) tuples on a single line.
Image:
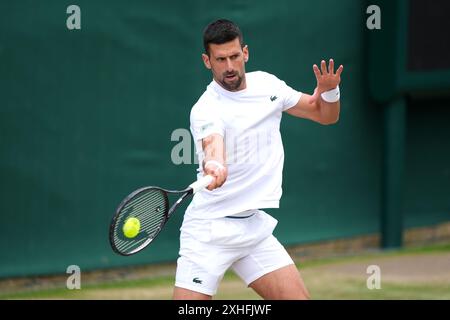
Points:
[(131, 227)]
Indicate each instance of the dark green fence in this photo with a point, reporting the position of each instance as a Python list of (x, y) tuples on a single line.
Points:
[(86, 116)]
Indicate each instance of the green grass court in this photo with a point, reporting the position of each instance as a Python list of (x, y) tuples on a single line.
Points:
[(413, 273)]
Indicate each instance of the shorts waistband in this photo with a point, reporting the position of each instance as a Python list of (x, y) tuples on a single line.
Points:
[(243, 214)]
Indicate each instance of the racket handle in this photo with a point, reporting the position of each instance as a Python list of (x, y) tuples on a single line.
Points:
[(201, 183)]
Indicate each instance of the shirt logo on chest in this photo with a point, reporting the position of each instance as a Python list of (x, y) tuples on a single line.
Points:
[(273, 98), (197, 280)]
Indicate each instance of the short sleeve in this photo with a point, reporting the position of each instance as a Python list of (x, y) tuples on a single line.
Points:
[(205, 122), (290, 96)]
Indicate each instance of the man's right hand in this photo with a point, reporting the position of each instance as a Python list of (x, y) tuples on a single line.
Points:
[(218, 171)]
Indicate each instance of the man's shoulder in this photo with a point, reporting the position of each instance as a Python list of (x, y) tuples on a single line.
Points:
[(205, 100), (261, 76)]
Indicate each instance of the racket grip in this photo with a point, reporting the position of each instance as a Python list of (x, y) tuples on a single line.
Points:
[(201, 183)]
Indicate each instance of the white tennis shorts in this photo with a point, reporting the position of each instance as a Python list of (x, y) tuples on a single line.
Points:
[(208, 248)]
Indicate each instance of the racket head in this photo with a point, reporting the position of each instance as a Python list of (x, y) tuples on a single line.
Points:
[(150, 205)]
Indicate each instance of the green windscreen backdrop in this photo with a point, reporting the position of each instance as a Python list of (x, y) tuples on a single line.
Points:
[(88, 115)]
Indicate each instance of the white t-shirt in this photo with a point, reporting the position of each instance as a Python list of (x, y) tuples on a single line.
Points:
[(249, 121)]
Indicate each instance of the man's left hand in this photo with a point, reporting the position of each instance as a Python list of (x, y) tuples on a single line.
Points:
[(326, 79)]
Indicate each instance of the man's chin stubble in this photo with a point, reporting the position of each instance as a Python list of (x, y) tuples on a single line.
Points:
[(232, 86)]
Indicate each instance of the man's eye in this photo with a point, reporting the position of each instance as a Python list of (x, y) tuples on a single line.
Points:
[(220, 59)]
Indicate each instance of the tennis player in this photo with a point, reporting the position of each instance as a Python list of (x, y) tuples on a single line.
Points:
[(236, 128)]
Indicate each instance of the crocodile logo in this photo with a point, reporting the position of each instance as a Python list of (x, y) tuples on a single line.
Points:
[(197, 280)]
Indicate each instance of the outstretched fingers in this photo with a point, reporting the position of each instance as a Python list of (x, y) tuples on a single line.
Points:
[(326, 78), (339, 70), (323, 67), (316, 71), (331, 66)]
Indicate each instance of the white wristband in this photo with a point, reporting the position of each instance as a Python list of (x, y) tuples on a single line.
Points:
[(332, 95), (217, 163)]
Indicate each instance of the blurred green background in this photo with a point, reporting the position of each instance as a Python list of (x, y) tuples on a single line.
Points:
[(86, 116)]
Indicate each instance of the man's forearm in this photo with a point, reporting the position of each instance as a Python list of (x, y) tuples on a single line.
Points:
[(213, 149), (214, 160), (329, 112)]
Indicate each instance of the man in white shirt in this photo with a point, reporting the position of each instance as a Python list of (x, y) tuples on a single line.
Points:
[(235, 125)]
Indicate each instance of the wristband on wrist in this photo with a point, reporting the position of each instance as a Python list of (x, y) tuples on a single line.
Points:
[(332, 95), (217, 163)]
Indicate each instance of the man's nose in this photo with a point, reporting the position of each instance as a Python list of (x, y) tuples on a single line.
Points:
[(229, 65)]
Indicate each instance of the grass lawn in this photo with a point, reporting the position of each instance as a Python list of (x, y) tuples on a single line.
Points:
[(418, 273)]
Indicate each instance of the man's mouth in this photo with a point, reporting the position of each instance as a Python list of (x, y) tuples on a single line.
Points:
[(231, 76)]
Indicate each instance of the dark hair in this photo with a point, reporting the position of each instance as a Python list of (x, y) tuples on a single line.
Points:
[(221, 31)]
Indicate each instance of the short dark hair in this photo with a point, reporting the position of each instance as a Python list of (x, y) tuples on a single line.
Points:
[(221, 31)]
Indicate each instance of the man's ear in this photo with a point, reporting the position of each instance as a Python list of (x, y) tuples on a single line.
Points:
[(206, 61), (246, 54)]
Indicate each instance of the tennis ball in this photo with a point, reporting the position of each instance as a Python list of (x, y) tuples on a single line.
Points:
[(131, 227)]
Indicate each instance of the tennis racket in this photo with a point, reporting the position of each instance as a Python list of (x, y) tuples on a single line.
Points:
[(141, 216)]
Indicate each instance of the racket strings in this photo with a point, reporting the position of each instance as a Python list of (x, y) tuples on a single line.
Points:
[(150, 208), (128, 246)]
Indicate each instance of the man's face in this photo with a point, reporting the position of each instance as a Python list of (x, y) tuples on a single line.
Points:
[(227, 63)]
